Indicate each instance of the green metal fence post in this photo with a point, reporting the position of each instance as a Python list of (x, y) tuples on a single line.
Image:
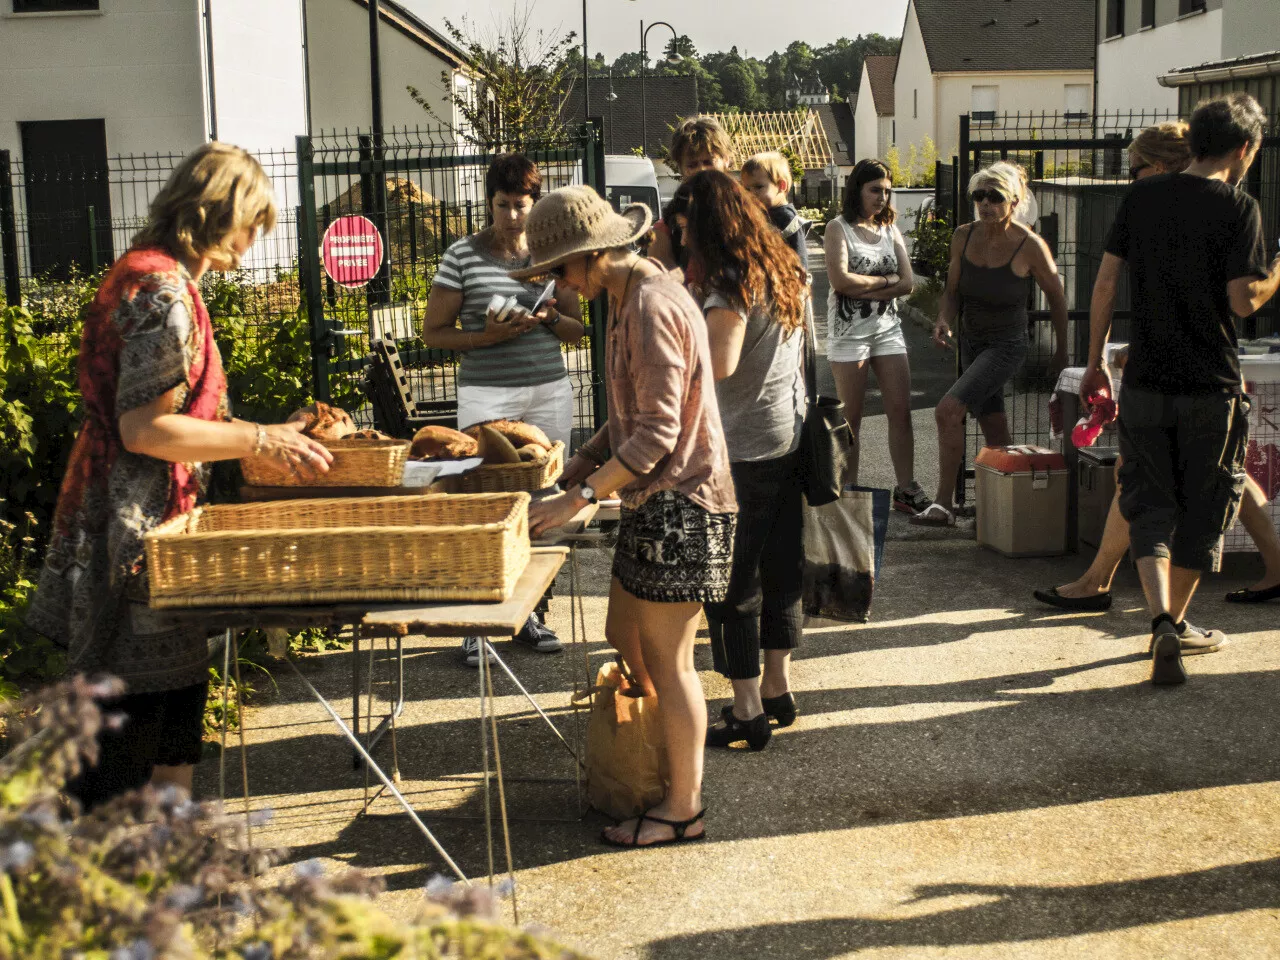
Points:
[(593, 175), (9, 235), (309, 270)]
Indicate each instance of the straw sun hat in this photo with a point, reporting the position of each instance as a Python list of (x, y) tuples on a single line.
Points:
[(573, 221)]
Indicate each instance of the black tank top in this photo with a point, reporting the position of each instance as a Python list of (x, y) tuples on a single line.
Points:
[(993, 300)]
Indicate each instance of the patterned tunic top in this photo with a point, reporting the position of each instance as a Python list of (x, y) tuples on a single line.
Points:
[(147, 332)]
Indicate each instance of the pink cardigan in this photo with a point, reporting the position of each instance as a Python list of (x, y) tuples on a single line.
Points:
[(664, 425)]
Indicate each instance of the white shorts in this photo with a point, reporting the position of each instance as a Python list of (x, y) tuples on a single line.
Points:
[(886, 343), (548, 406)]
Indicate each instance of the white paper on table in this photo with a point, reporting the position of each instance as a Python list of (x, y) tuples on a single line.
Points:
[(423, 473)]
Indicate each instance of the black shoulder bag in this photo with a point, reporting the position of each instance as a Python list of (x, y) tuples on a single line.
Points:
[(825, 439)]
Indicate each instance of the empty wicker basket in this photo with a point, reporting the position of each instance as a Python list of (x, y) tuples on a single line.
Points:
[(418, 548), (356, 463), (510, 477)]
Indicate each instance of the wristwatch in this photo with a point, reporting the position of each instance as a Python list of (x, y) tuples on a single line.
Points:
[(587, 493), (552, 322)]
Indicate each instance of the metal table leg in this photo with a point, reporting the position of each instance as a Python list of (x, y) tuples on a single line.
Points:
[(372, 736)]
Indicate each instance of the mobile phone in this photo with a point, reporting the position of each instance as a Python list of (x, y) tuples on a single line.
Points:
[(544, 296)]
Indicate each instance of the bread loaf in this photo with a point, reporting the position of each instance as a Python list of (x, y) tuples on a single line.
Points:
[(324, 422), (369, 435), (519, 433), (495, 448), (531, 452), (441, 443)]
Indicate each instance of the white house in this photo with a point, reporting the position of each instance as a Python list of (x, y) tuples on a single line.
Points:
[(990, 57), (873, 118), (1141, 41), (96, 93)]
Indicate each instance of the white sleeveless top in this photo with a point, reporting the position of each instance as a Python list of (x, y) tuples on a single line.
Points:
[(849, 318)]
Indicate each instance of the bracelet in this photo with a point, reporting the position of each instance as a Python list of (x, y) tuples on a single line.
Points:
[(886, 284), (551, 323), (259, 439)]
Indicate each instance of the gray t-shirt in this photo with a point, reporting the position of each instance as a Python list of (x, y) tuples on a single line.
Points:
[(762, 401), (525, 361)]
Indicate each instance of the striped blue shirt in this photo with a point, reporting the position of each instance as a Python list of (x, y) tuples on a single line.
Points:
[(525, 361)]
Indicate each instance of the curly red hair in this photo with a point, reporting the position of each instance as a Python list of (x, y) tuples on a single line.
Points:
[(742, 255)]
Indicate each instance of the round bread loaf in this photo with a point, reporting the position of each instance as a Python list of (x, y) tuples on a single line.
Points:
[(369, 435), (520, 434), (495, 448), (441, 443), (531, 452), (324, 421)]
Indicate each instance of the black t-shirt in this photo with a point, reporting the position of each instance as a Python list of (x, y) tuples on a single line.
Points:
[(1185, 238), (787, 220)]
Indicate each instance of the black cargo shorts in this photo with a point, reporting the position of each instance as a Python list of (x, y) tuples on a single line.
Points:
[(1183, 473)]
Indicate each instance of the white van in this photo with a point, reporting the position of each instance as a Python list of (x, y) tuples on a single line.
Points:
[(631, 179)]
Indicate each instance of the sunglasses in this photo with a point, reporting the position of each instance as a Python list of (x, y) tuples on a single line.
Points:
[(995, 196), (1134, 171)]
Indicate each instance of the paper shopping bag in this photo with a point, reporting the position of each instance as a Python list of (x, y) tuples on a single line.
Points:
[(626, 752)]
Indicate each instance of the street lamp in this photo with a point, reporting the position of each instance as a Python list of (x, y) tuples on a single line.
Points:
[(644, 69)]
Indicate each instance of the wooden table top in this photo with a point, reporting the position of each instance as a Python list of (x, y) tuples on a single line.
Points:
[(398, 620)]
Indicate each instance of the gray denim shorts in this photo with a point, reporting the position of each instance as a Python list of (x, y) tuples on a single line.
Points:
[(987, 366)]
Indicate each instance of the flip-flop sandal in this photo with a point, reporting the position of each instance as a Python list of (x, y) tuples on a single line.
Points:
[(678, 827), (966, 511), (934, 515)]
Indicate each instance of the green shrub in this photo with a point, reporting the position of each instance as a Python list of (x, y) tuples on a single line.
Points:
[(931, 237)]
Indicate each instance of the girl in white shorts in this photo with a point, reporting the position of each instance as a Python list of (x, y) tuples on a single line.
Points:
[(868, 269)]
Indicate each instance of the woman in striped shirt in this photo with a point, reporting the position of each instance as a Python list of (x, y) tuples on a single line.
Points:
[(513, 370)]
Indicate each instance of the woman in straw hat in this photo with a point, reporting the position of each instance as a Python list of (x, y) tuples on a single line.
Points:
[(669, 464), (155, 401)]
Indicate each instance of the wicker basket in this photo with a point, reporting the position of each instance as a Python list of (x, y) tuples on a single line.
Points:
[(356, 463), (511, 477), (421, 548)]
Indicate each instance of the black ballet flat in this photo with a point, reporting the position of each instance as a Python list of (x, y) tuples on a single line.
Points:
[(1053, 598), (782, 709), (730, 730), (1246, 595)]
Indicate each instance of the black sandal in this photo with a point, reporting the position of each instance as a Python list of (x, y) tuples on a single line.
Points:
[(782, 709), (756, 731), (1245, 595), (678, 827)]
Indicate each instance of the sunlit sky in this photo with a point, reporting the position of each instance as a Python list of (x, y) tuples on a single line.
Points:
[(757, 27)]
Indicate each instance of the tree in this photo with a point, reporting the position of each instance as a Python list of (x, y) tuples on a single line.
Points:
[(682, 47), (738, 86), (519, 80)]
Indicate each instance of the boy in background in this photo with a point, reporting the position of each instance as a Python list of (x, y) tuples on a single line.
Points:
[(698, 144), (768, 176)]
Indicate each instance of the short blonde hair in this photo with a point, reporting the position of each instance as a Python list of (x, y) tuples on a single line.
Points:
[(1164, 143), (217, 191), (773, 165), (700, 135), (1009, 178)]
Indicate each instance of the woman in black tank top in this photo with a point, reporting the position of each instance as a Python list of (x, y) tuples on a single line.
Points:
[(993, 263)]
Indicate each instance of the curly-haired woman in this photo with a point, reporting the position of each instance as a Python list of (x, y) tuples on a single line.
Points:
[(753, 293), (155, 401)]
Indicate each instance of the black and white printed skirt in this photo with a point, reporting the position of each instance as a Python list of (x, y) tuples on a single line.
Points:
[(670, 550)]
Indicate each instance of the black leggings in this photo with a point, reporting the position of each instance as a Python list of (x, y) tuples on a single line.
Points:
[(762, 608)]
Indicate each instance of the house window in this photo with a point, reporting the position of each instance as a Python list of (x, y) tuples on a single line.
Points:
[(1190, 6), (1148, 13), (68, 195), (1115, 17), (915, 104), (983, 104), (1077, 104), (52, 6)]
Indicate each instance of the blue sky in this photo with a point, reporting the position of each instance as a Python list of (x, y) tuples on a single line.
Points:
[(757, 27)]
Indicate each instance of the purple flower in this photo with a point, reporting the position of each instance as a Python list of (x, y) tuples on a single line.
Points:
[(309, 869), (138, 950), (439, 886), (17, 856), (256, 951), (260, 817), (185, 897)]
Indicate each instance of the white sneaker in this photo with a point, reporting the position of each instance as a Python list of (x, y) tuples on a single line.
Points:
[(471, 652)]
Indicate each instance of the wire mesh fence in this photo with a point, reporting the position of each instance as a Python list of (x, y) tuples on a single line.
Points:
[(63, 220), (1078, 169)]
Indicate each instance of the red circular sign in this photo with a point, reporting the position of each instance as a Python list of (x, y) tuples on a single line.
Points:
[(352, 251)]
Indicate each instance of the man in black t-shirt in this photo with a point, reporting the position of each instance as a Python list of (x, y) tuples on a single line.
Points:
[(1194, 248)]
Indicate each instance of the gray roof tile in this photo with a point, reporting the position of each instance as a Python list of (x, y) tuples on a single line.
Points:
[(962, 35)]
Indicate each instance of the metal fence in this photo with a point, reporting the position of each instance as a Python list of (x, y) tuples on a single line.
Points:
[(423, 191), (1079, 172), (62, 222)]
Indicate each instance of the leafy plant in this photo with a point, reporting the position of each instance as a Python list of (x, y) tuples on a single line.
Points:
[(152, 874), (513, 85), (931, 240)]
